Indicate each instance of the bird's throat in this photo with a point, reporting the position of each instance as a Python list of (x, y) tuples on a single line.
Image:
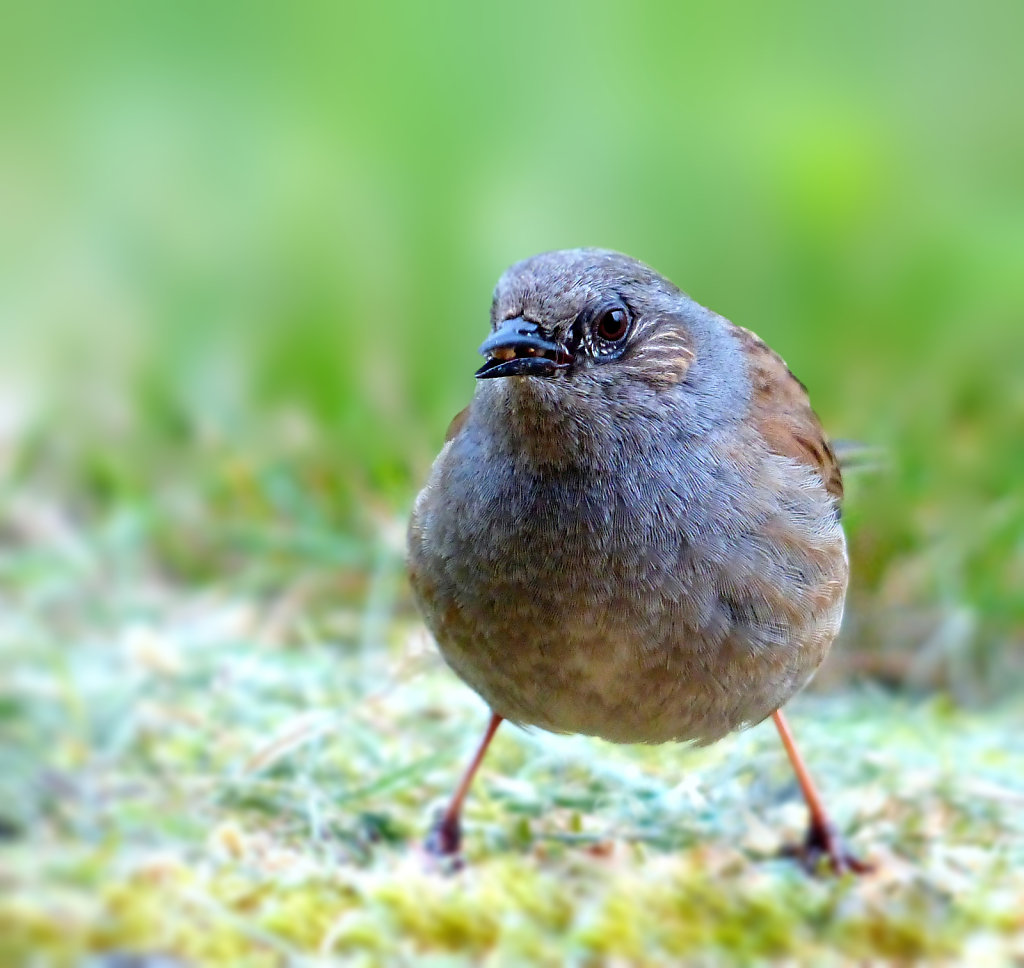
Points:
[(542, 421)]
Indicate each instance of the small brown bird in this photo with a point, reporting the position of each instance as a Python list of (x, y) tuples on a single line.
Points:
[(633, 531)]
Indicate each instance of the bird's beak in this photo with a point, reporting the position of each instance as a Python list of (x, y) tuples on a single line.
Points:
[(519, 348)]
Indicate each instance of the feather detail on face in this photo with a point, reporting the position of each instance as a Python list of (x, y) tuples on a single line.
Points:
[(659, 354)]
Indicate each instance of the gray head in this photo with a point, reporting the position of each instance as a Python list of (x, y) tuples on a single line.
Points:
[(579, 326)]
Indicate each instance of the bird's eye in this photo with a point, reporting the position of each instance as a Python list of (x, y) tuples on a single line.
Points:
[(612, 324)]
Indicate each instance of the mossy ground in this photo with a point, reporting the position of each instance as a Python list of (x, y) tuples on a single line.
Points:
[(245, 778)]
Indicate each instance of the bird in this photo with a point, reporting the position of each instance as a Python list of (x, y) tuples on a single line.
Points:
[(634, 529)]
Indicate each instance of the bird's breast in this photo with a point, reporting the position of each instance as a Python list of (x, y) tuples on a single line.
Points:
[(634, 602)]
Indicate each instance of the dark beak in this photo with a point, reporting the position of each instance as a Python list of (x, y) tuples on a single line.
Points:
[(519, 348)]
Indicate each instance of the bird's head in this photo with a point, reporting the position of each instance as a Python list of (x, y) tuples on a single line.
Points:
[(587, 344), (584, 317)]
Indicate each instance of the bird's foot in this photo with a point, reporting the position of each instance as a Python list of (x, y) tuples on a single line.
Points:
[(443, 845), (823, 843)]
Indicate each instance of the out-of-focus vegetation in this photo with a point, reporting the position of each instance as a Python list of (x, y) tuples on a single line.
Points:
[(218, 780), (245, 259)]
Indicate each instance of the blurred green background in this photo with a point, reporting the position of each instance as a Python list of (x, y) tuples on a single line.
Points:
[(246, 254)]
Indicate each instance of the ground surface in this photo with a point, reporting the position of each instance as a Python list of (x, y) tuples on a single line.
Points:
[(215, 777)]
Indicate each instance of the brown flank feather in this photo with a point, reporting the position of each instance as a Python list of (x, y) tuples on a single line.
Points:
[(781, 412)]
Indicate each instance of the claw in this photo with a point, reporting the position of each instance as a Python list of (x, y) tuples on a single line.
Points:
[(445, 837), (443, 846), (824, 843)]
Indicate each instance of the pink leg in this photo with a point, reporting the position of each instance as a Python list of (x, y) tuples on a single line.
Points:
[(445, 838), (822, 838)]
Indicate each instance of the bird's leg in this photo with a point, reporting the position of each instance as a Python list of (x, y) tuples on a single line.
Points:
[(822, 838), (445, 837)]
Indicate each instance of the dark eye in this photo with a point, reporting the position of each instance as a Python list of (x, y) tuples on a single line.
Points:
[(612, 324)]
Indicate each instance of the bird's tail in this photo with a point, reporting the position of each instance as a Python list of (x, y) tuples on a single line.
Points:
[(856, 457)]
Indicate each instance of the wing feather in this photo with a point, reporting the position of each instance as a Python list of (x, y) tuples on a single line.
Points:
[(456, 425), (782, 413)]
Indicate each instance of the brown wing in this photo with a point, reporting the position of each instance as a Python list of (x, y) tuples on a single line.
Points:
[(456, 425), (782, 413)]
